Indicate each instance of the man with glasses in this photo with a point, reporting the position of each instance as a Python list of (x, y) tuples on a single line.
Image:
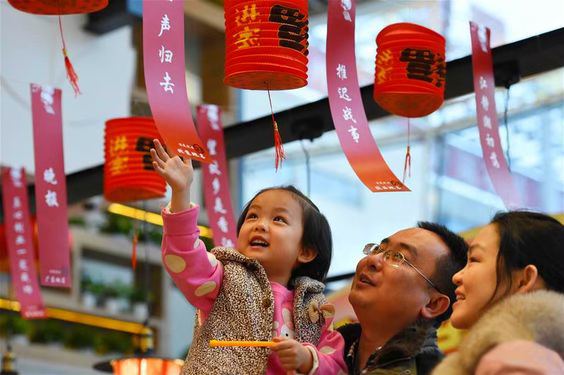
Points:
[(401, 292)]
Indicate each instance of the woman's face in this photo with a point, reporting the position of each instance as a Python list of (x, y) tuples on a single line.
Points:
[(477, 280)]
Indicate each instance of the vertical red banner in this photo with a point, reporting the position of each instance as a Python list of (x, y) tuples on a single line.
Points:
[(165, 77), (20, 244), (484, 87), (50, 187), (216, 177), (346, 105)]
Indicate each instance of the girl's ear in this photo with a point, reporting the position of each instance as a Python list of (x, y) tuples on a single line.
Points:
[(306, 255), (527, 279)]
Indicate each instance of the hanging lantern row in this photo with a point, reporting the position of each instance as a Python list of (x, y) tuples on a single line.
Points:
[(410, 70), (266, 44), (128, 168)]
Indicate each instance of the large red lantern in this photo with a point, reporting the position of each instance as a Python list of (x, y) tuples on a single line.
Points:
[(128, 169), (58, 7), (410, 70), (266, 48), (266, 44)]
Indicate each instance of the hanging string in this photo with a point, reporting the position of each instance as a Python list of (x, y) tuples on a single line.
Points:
[(308, 168), (146, 273), (505, 122), (134, 242), (407, 163), (278, 146), (71, 74)]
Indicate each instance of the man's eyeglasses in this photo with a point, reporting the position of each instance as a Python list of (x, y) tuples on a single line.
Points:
[(395, 259)]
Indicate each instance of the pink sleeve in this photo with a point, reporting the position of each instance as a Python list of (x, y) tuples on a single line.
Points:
[(520, 357), (196, 272), (329, 351)]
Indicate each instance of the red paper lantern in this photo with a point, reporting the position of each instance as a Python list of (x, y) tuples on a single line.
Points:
[(58, 7), (410, 70), (266, 44), (128, 168)]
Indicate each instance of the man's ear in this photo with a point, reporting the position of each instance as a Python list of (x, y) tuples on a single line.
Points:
[(437, 305), (306, 255), (527, 279)]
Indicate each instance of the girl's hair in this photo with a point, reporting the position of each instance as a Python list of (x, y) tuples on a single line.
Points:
[(530, 238), (316, 234)]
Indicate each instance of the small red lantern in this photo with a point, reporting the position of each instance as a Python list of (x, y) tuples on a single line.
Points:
[(266, 44), (410, 70), (128, 169), (58, 7)]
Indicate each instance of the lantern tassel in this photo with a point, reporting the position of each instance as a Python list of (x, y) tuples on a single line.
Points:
[(71, 73), (280, 155), (278, 144), (407, 163), (134, 251)]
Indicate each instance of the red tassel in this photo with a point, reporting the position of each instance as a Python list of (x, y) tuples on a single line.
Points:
[(71, 74), (134, 252), (407, 163), (278, 147)]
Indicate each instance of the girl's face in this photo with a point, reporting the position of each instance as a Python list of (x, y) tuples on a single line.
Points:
[(477, 280), (272, 234)]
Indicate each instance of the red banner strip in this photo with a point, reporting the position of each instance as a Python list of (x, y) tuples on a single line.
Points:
[(484, 86), (20, 244), (50, 187), (216, 177), (346, 105), (165, 77)]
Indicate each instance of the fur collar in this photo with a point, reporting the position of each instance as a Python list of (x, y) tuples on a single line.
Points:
[(536, 316)]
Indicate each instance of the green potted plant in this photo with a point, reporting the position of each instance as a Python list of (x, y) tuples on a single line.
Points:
[(46, 332), (15, 326), (113, 342), (79, 338), (111, 303), (140, 303), (88, 296), (123, 293)]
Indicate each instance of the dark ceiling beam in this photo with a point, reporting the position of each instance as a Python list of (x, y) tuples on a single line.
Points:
[(535, 55)]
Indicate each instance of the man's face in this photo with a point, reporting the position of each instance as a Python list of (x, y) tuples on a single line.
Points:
[(379, 289)]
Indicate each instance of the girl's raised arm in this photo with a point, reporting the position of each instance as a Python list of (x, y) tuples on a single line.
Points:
[(178, 174)]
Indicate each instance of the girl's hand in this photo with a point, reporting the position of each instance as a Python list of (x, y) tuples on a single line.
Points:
[(293, 355), (177, 173)]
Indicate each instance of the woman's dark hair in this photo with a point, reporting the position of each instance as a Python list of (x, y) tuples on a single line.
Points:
[(316, 234), (530, 238)]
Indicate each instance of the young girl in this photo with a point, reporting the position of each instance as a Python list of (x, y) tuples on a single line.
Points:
[(267, 289), (511, 290)]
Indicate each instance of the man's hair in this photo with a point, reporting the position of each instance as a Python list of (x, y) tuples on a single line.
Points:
[(447, 265)]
